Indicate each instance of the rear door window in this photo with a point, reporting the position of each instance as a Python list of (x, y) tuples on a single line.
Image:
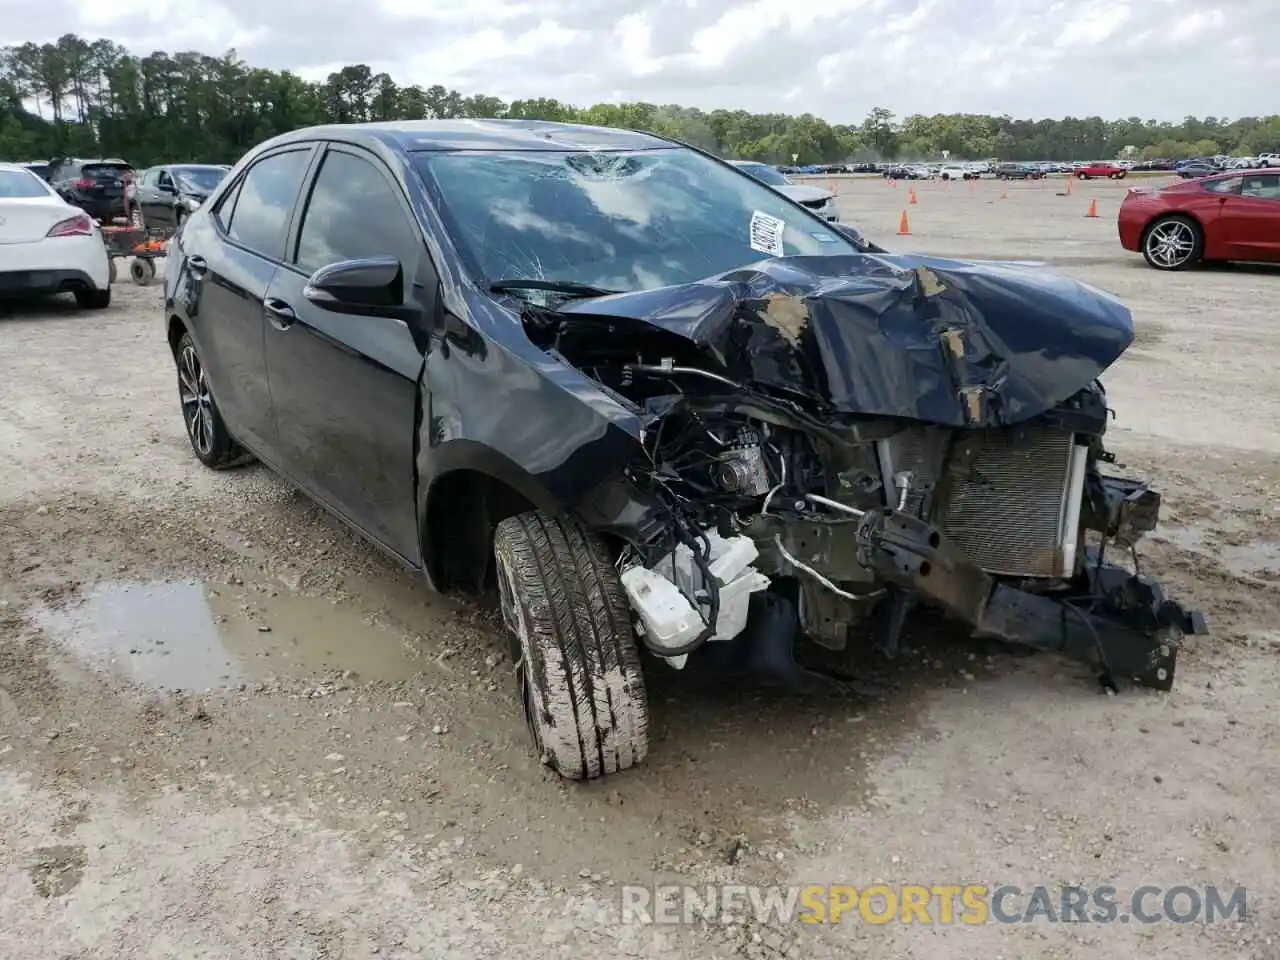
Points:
[(264, 207)]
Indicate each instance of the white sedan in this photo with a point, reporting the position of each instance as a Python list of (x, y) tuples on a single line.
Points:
[(47, 245), (822, 202)]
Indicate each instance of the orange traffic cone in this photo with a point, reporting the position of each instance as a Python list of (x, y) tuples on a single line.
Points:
[(904, 228), (1093, 209), (913, 196)]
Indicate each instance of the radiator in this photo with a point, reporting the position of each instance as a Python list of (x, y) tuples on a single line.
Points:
[(1016, 510)]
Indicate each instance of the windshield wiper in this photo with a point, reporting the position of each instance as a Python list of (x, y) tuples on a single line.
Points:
[(552, 286)]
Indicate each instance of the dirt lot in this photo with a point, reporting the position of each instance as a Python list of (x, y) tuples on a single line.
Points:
[(230, 729)]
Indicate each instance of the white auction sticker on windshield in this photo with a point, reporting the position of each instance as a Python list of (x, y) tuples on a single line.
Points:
[(766, 233)]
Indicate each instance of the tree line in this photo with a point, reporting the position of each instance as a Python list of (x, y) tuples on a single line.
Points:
[(78, 97)]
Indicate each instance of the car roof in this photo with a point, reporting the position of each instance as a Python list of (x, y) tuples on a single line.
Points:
[(1239, 172), (418, 135)]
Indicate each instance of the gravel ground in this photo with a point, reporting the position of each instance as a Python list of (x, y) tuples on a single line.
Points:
[(228, 728)]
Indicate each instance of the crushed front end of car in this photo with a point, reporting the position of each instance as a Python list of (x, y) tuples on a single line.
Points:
[(832, 442)]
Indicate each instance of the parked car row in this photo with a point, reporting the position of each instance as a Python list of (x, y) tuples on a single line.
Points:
[(110, 189)]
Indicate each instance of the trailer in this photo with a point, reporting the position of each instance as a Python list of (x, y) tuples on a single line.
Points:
[(140, 245)]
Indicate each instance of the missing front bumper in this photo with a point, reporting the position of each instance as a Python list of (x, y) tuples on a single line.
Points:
[(1119, 623)]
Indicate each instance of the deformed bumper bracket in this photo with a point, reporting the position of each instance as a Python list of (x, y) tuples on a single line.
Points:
[(1120, 624)]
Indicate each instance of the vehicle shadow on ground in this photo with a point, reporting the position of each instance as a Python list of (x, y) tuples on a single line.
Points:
[(1211, 267), (39, 308)]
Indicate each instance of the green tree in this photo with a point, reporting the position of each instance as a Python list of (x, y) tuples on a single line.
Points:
[(78, 96)]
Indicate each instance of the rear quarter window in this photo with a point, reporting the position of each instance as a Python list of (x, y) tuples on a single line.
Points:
[(1228, 185)]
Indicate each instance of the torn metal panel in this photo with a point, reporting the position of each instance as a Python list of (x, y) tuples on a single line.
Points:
[(933, 340), (889, 431)]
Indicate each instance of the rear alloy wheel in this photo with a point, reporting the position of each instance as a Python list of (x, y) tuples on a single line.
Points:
[(93, 299), (1172, 243), (573, 646), (211, 442)]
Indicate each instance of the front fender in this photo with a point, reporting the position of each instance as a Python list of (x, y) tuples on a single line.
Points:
[(493, 403)]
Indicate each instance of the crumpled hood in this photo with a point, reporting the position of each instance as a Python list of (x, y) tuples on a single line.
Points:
[(950, 342)]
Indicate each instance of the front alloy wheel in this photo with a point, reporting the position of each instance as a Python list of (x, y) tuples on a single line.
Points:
[(212, 444), (1173, 243)]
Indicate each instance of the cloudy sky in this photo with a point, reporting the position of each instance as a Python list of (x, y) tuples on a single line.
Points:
[(835, 58)]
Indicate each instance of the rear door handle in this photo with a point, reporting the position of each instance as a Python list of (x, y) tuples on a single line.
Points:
[(198, 266), (279, 313)]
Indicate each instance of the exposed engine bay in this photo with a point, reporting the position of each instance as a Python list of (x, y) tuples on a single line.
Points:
[(788, 463)]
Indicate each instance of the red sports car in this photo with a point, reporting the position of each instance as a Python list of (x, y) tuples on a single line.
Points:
[(1231, 216)]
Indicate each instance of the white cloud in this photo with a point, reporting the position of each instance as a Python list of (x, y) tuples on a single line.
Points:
[(833, 58), (633, 37)]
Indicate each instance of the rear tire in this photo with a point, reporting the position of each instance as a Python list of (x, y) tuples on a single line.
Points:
[(211, 442), (570, 628), (94, 299), (1173, 243)]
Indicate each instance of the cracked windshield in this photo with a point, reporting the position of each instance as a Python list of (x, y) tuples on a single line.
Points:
[(616, 220)]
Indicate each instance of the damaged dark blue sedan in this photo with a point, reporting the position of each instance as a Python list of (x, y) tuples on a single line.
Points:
[(655, 405)]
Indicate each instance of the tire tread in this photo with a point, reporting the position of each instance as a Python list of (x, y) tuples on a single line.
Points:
[(584, 666)]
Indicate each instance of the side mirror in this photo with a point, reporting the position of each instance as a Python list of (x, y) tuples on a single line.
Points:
[(372, 287), (166, 186)]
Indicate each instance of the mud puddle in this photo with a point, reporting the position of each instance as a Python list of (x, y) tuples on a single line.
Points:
[(188, 635)]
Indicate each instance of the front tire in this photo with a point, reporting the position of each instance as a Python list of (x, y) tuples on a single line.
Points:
[(211, 442), (1173, 243), (570, 628)]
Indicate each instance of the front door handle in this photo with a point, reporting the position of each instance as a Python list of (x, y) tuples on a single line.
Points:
[(198, 265), (279, 313)]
